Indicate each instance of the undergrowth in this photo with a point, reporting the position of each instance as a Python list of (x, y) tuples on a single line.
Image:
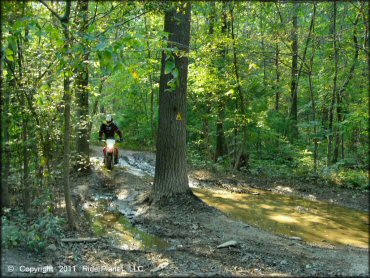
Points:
[(32, 234), (339, 174)]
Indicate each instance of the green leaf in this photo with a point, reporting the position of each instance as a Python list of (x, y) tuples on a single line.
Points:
[(18, 24), (175, 73), (170, 65), (101, 46), (9, 54), (12, 43)]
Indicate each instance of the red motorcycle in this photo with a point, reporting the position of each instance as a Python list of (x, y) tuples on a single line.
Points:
[(110, 153)]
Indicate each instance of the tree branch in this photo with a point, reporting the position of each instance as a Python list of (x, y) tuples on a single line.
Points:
[(355, 59), (67, 13), (51, 10)]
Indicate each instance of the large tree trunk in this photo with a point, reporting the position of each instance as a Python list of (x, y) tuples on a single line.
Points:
[(82, 94), (171, 171)]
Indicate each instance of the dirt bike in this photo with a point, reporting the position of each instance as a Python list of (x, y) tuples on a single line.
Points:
[(109, 153)]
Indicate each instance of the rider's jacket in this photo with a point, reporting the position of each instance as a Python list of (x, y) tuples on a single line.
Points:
[(109, 131)]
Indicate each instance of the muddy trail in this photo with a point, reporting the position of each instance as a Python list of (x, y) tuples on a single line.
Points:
[(213, 237)]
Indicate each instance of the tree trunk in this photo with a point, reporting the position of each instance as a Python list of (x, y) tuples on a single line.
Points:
[(242, 153), (82, 93), (313, 109), (206, 105), (221, 148), (66, 150), (331, 110), (293, 87), (27, 186), (152, 91), (277, 85), (339, 94), (171, 172), (67, 122), (263, 49), (5, 198), (96, 103), (205, 132)]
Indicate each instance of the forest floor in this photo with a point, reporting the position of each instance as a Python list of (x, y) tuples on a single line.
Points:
[(193, 231)]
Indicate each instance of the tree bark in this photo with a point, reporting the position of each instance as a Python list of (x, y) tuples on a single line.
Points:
[(152, 91), (82, 93), (5, 197), (221, 148), (171, 172), (331, 110), (293, 87), (242, 153), (263, 50), (341, 91), (67, 116), (27, 186), (313, 104), (368, 77), (277, 84)]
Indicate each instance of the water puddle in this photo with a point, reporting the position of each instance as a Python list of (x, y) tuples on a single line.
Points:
[(140, 169), (134, 166), (108, 222), (313, 221), (316, 222)]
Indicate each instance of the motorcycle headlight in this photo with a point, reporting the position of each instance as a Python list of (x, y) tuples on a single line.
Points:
[(110, 144)]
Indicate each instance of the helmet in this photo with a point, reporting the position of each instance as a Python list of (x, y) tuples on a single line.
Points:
[(109, 119)]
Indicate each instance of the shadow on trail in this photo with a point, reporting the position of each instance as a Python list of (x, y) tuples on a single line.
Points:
[(258, 252)]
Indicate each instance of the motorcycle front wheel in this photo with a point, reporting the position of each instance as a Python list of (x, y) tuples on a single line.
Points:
[(109, 161)]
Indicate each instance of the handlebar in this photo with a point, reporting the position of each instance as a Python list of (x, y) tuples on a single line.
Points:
[(104, 140)]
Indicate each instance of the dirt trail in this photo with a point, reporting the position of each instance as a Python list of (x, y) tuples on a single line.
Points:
[(193, 231)]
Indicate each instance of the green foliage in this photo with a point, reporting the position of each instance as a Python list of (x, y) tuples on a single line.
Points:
[(337, 174), (197, 160), (354, 178), (18, 231)]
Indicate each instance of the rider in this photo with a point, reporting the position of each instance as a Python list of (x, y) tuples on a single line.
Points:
[(109, 129)]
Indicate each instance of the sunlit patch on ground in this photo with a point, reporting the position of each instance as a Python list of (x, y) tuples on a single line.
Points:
[(108, 221), (313, 221)]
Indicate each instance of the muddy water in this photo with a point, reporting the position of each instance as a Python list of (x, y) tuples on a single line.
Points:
[(118, 229), (312, 221), (315, 222)]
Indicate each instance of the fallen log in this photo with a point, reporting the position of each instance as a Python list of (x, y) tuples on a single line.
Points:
[(80, 239)]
